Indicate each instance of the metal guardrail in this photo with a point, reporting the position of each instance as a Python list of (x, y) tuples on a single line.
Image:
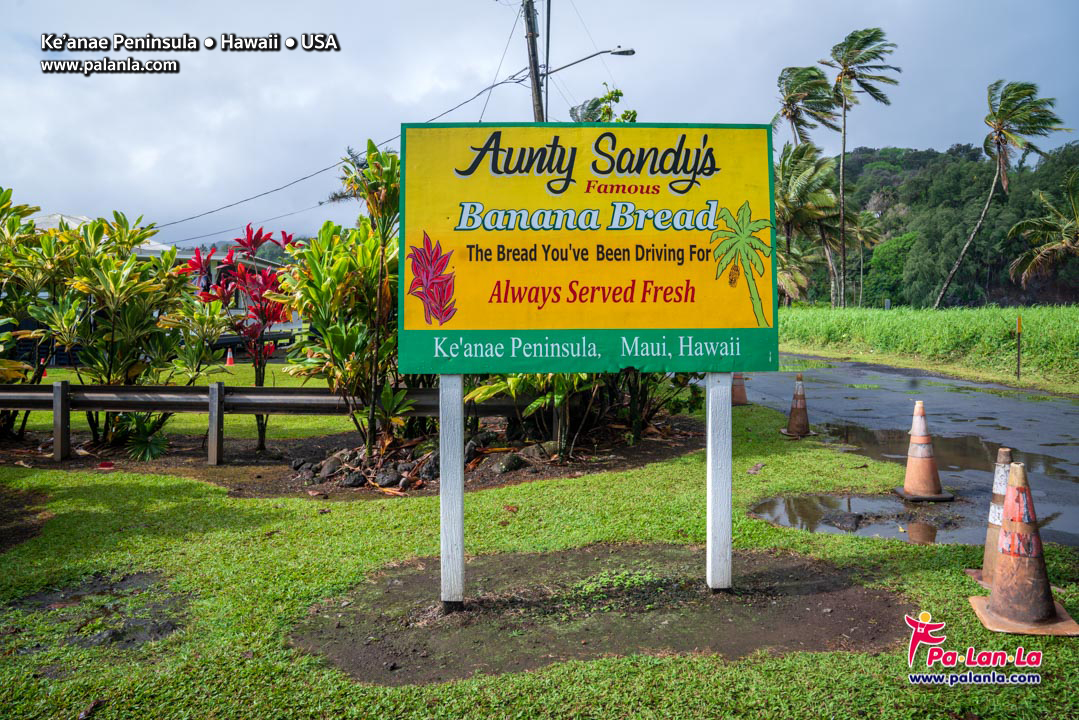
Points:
[(216, 400)]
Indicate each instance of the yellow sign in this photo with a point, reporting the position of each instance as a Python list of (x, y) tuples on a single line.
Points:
[(586, 247)]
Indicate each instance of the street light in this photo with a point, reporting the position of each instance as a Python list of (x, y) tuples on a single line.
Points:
[(617, 50)]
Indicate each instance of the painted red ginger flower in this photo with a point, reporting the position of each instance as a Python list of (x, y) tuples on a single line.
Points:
[(430, 281)]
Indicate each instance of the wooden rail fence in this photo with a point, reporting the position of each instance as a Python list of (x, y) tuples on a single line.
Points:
[(217, 400)]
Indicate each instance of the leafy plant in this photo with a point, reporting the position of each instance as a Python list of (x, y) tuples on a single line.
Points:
[(144, 442), (1054, 236), (334, 283), (256, 292), (86, 288)]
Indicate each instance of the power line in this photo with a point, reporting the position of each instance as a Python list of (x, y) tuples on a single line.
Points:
[(588, 32), (516, 19), (253, 197), (515, 78), (256, 222), (547, 66)]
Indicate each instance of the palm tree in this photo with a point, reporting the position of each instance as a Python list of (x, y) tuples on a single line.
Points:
[(858, 62), (738, 246), (804, 189), (806, 202), (794, 266), (805, 95), (865, 227), (1015, 112), (1054, 236)]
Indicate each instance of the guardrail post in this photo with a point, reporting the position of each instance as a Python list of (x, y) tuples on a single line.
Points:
[(451, 489), (216, 438), (718, 514), (61, 421)]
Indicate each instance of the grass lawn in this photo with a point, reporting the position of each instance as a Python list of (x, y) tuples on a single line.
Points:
[(236, 426), (248, 586)]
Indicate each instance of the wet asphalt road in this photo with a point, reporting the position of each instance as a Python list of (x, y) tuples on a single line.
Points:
[(870, 406)]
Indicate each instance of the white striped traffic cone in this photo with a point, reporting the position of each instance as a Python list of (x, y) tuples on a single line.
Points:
[(984, 577), (922, 482)]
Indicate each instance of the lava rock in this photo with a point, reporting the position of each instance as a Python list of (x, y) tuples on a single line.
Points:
[(297, 463), (508, 463), (429, 471), (470, 450), (329, 466), (387, 477), (541, 451), (404, 467), (353, 479), (484, 438), (307, 476)]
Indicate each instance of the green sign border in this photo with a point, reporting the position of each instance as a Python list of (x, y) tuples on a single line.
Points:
[(759, 346)]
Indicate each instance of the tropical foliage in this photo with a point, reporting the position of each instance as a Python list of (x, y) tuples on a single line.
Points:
[(1054, 236), (806, 101), (129, 320), (245, 294), (334, 284), (1016, 114), (859, 64)]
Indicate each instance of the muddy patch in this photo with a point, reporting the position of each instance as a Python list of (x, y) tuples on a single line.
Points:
[(21, 516), (119, 613), (525, 611), (882, 516)]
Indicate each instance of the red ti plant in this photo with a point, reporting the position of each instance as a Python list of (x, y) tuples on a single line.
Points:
[(258, 312), (430, 281)]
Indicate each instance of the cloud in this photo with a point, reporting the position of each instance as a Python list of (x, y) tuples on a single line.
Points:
[(230, 125)]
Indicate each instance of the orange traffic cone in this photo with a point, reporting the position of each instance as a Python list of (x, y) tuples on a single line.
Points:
[(984, 577), (44, 369), (798, 422), (1021, 601), (738, 390), (922, 482), (229, 359)]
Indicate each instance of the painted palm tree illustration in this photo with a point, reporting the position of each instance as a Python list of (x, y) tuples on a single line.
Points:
[(741, 251)]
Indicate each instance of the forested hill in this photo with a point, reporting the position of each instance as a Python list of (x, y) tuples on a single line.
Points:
[(929, 201)]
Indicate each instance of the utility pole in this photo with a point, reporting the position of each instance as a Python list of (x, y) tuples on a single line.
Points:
[(529, 10)]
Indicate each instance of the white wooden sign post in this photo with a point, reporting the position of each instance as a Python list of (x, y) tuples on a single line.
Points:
[(451, 489), (718, 514)]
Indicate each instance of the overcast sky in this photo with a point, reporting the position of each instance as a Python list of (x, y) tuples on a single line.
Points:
[(230, 124)]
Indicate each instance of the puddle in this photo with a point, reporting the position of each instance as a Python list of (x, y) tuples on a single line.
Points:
[(962, 452), (873, 516), (526, 611), (124, 613)]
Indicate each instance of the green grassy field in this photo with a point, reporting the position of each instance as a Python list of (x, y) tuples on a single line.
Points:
[(248, 588), (976, 343)]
